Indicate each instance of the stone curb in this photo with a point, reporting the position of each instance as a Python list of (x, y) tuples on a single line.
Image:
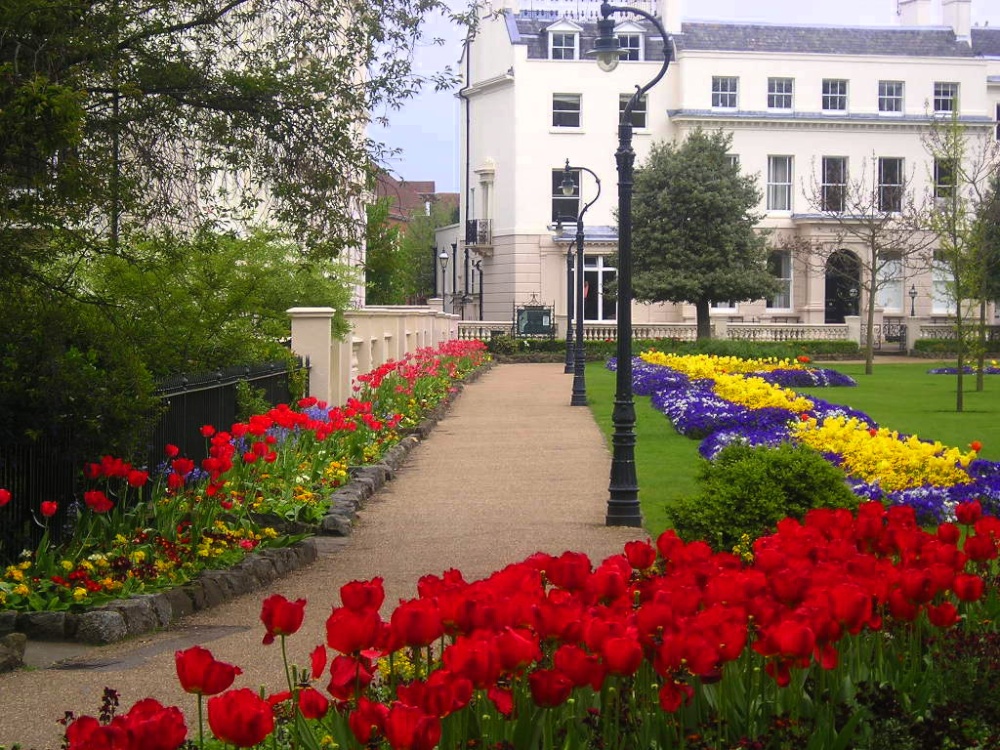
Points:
[(143, 613)]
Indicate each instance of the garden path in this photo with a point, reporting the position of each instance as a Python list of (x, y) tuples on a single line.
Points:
[(512, 469)]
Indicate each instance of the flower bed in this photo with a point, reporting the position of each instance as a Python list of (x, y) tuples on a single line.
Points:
[(813, 640), (704, 399), (139, 530)]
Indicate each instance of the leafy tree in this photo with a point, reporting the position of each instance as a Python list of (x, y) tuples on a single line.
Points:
[(693, 218), (383, 262), (214, 300), (884, 222), (123, 115), (420, 265), (963, 160), (987, 260)]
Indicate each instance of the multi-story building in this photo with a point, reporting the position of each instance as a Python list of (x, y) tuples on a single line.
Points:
[(808, 107)]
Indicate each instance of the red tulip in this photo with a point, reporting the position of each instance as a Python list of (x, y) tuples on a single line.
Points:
[(622, 656), (409, 728), (968, 513), (674, 694), (281, 617), (976, 446), (416, 623), (313, 704), (942, 615), (351, 632), (155, 727), (549, 687), (200, 673), (137, 478), (640, 555), (207, 430), (968, 587), (582, 668), (4, 497), (97, 501), (368, 720), (171, 451), (569, 571), (317, 661), (49, 508), (87, 733), (240, 717), (347, 676), (361, 595)]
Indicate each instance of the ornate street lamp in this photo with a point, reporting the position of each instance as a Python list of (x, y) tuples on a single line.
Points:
[(913, 300), (443, 260), (623, 499), (569, 308), (569, 187)]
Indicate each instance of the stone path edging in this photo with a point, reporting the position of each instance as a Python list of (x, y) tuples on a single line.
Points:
[(142, 613)]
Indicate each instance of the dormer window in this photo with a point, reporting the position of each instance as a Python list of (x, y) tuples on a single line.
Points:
[(630, 41), (564, 40)]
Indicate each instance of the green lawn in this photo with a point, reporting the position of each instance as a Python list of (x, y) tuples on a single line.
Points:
[(899, 396)]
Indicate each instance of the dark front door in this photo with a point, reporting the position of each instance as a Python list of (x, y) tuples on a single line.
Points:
[(843, 284)]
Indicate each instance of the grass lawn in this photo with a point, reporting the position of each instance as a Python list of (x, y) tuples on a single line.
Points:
[(899, 396)]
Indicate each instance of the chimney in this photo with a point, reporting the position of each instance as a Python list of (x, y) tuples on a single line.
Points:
[(958, 15), (914, 13), (669, 13)]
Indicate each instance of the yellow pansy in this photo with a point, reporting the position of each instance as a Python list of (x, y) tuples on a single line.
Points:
[(79, 594)]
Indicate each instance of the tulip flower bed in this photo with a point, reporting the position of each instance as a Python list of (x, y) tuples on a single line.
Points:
[(704, 399), (140, 530), (857, 630)]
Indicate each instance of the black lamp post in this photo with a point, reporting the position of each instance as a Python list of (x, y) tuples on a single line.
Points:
[(569, 309), (579, 358), (443, 260), (913, 300), (623, 499)]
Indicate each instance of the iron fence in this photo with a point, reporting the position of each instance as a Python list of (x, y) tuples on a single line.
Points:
[(42, 471)]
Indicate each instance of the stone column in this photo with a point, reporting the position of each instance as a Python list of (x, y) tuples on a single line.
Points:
[(311, 339)]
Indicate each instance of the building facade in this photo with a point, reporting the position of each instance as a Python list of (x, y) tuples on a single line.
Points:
[(810, 108)]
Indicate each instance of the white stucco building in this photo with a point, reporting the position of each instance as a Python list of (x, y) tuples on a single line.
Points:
[(806, 105)]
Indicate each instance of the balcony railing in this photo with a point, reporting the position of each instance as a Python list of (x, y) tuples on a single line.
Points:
[(478, 232)]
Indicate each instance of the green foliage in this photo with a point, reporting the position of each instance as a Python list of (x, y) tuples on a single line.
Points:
[(748, 490), (383, 262), (126, 114), (68, 379), (250, 401), (187, 305), (693, 220)]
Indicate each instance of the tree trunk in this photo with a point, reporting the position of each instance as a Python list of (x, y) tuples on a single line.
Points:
[(870, 333), (981, 354), (703, 314)]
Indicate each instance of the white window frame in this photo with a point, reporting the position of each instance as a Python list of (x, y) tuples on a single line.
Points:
[(945, 97), (890, 100), (828, 186), (944, 190), (942, 300), (889, 295), (784, 275), (640, 113), (830, 97), (725, 92), (567, 99), (595, 264), (561, 36), (783, 187), (897, 203), (777, 94), (560, 202), (723, 307), (631, 44)]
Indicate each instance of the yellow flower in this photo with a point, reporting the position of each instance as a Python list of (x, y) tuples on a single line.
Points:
[(21, 590), (120, 539), (15, 574), (87, 565), (79, 594), (139, 556), (66, 565)]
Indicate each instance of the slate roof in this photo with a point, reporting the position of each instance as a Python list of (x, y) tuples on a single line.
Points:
[(821, 40), (529, 29), (986, 42)]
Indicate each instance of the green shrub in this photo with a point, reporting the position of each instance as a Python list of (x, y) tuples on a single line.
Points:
[(748, 490)]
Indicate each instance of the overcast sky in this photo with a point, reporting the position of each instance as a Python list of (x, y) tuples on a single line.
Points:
[(426, 129)]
